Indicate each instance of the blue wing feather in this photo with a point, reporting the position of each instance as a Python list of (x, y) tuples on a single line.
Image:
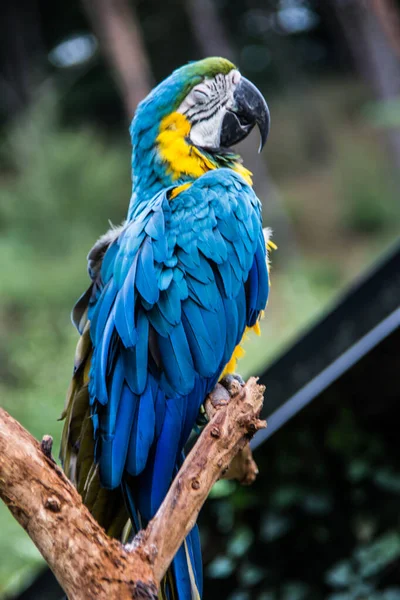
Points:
[(143, 431), (165, 279), (135, 359), (257, 285), (114, 448), (146, 280), (170, 305), (109, 419), (99, 368), (125, 308), (161, 325), (177, 360), (108, 263), (101, 311)]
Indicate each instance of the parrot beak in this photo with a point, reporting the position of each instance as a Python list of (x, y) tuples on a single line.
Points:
[(249, 109)]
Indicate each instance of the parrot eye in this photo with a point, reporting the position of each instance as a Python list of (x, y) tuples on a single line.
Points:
[(200, 94)]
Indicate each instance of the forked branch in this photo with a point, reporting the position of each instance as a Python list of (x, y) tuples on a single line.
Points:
[(86, 562)]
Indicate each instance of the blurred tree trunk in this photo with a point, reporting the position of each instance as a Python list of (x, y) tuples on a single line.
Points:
[(116, 25), (372, 30), (388, 15), (208, 30), (21, 49)]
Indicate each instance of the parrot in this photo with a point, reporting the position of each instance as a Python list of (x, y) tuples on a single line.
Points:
[(173, 291)]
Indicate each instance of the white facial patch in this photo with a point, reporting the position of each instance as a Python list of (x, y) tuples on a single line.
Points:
[(205, 107)]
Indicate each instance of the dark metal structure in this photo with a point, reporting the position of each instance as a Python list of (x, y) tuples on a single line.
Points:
[(367, 313)]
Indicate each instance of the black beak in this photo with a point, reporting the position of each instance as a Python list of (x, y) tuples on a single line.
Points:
[(248, 110)]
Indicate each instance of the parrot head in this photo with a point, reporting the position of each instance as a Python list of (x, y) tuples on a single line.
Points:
[(188, 124)]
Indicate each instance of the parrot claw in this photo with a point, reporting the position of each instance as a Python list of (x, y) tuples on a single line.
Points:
[(226, 388), (230, 382), (46, 447)]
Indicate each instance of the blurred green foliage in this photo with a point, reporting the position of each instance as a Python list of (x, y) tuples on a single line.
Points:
[(356, 577), (369, 202), (66, 185), (384, 114)]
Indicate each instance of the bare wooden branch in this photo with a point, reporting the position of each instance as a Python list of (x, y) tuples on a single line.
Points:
[(87, 563), (243, 467)]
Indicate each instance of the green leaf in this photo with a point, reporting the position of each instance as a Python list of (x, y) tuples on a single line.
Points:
[(267, 596), (225, 515), (240, 542), (391, 594), (357, 470), (222, 489), (341, 575), (239, 596), (295, 590), (388, 480), (274, 526), (287, 496), (317, 504), (385, 113), (250, 575), (375, 557), (221, 567)]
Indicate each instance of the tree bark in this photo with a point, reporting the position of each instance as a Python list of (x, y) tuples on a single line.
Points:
[(208, 30), (388, 15), (116, 25), (22, 54), (86, 562), (371, 29)]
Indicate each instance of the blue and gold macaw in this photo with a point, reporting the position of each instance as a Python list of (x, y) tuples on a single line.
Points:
[(172, 293)]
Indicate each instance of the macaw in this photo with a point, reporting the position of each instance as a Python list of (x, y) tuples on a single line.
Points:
[(173, 291)]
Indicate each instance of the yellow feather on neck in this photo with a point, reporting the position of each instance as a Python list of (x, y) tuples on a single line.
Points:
[(182, 158)]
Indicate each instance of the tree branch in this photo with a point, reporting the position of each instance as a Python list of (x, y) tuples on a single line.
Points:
[(86, 562)]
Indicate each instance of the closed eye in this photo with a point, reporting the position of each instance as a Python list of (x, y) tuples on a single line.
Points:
[(200, 95)]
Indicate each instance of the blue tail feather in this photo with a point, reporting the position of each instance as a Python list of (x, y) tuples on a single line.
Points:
[(156, 478), (144, 494), (142, 434), (114, 448)]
